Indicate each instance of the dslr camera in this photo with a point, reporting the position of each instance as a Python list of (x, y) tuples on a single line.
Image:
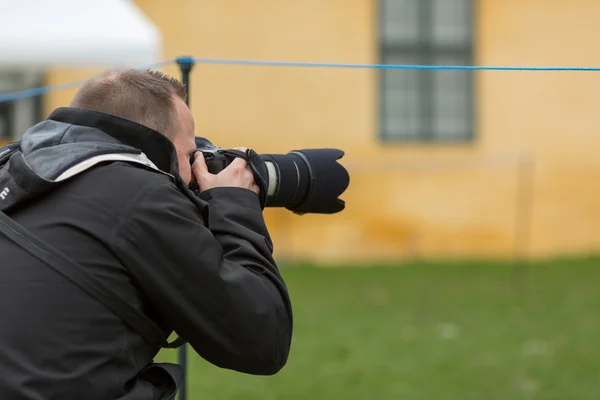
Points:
[(306, 181)]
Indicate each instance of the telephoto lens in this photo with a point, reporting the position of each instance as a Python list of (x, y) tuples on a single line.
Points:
[(307, 181)]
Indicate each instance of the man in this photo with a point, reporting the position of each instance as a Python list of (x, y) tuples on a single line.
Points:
[(104, 182)]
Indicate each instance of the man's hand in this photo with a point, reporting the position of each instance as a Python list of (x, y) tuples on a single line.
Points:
[(237, 174)]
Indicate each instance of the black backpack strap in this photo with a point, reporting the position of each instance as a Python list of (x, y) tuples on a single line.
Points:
[(86, 281), (7, 151)]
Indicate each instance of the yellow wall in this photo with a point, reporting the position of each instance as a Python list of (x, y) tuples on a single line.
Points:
[(404, 200)]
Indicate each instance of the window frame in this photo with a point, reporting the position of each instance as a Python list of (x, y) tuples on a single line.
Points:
[(425, 52)]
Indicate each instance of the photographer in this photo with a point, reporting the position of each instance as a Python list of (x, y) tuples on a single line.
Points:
[(105, 182)]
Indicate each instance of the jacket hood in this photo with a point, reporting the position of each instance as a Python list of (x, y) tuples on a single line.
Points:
[(72, 140)]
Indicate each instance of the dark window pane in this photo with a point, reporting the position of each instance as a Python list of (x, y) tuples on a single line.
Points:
[(451, 100), (5, 119), (400, 21), (451, 22), (401, 98)]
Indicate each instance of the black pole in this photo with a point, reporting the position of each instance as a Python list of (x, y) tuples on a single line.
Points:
[(185, 66)]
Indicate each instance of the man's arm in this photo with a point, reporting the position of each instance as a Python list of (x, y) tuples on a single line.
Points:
[(220, 289)]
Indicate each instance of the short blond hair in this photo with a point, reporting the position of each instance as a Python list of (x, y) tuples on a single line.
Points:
[(142, 96)]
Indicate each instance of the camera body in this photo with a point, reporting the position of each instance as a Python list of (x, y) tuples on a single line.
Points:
[(215, 157)]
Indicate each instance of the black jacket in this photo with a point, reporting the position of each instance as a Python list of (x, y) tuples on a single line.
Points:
[(201, 267)]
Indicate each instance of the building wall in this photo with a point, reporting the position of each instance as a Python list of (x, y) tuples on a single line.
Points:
[(404, 200), (551, 115)]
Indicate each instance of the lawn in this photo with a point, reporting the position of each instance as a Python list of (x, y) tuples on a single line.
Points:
[(474, 331)]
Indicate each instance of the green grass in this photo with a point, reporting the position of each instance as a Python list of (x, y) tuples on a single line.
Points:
[(431, 331)]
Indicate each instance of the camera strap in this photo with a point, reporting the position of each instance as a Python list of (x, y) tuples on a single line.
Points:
[(259, 170), (86, 281)]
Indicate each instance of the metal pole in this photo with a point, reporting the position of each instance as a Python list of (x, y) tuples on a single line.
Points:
[(523, 221), (185, 66)]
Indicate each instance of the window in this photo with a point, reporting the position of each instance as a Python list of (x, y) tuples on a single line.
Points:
[(423, 104), (6, 130), (19, 115)]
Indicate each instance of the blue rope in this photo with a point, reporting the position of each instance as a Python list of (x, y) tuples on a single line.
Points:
[(38, 91), (23, 94), (47, 89), (380, 66)]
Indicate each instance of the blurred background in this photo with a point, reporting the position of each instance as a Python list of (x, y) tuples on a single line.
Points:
[(464, 265)]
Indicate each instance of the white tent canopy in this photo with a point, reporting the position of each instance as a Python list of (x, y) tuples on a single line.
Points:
[(98, 33)]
